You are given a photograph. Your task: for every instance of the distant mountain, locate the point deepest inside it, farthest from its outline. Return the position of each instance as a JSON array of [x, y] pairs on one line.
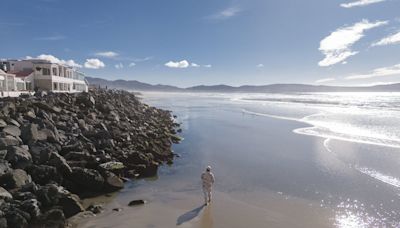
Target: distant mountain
[[273, 88], [130, 85]]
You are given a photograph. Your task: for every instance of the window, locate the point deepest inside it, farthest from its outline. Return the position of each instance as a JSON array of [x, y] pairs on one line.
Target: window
[[46, 71], [55, 87], [54, 71]]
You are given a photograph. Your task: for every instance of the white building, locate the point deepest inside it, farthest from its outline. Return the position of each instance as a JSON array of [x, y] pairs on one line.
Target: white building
[[45, 75], [10, 85]]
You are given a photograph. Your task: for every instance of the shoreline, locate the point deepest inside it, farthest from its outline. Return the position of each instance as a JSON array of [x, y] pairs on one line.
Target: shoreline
[[59, 148]]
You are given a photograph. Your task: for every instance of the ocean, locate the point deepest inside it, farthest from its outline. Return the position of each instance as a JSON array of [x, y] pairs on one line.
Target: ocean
[[280, 160]]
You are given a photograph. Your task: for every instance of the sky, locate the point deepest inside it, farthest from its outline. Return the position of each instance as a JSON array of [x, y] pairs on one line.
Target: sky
[[193, 42]]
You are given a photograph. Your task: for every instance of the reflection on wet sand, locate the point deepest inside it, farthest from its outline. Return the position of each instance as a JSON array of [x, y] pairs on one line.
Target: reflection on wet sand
[[206, 220]]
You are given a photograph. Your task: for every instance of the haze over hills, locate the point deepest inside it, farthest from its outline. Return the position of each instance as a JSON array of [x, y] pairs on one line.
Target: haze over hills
[[273, 88]]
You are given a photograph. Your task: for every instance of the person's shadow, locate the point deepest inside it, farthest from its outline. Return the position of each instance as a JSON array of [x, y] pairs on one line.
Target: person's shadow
[[189, 215]]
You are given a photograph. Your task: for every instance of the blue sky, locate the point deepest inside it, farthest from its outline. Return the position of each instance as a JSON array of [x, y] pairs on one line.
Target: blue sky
[[191, 42]]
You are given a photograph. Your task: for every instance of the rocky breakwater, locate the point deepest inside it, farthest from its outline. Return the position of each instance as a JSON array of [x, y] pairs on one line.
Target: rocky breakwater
[[58, 148]]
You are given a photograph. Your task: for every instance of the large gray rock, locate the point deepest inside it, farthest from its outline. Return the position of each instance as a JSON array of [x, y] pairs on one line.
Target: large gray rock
[[4, 194], [12, 130], [29, 133], [112, 182], [53, 218], [4, 167], [89, 179], [8, 141], [19, 157], [14, 179], [17, 218], [70, 205], [60, 163], [32, 207], [43, 174]]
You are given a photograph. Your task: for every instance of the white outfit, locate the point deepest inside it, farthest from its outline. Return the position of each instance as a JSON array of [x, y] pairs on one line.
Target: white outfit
[[208, 180]]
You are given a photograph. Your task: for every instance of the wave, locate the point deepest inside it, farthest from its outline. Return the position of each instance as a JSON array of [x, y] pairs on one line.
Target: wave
[[389, 101], [335, 130], [380, 176]]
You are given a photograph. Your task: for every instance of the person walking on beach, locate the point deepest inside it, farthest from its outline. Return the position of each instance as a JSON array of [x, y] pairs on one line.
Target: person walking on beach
[[208, 179]]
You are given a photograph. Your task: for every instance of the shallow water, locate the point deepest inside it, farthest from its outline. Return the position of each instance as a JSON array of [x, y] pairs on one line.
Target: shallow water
[[270, 169]]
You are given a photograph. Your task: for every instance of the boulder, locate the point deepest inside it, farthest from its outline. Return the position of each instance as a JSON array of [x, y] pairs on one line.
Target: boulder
[[8, 141], [17, 218], [29, 133], [70, 205], [4, 194], [53, 218], [95, 208], [14, 179], [89, 179], [19, 157], [2, 123], [60, 163], [32, 207], [12, 130], [3, 222], [44, 174], [136, 202], [112, 182], [4, 167], [49, 195]]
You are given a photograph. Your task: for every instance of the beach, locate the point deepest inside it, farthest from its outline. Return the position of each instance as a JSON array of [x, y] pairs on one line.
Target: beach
[[268, 172]]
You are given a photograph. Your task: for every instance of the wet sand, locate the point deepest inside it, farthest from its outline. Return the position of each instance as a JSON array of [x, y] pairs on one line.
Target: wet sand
[[266, 176]]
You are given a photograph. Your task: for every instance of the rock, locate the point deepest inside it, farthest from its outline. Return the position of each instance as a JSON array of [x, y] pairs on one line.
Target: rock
[[8, 141], [53, 218], [117, 209], [60, 163], [14, 122], [149, 170], [3, 222], [136, 202], [19, 157], [4, 194], [70, 205], [32, 207], [29, 133], [12, 130], [49, 195], [4, 167], [113, 166], [17, 218], [14, 179], [89, 179], [44, 174], [112, 182], [2, 123], [95, 208]]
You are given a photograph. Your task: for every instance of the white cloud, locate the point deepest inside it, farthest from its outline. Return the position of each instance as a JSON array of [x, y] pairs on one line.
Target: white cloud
[[225, 14], [180, 64], [194, 65], [119, 66], [54, 59], [208, 66], [51, 38], [379, 72], [323, 80], [360, 3], [94, 64], [107, 54], [260, 65], [132, 64], [337, 46], [392, 39]]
